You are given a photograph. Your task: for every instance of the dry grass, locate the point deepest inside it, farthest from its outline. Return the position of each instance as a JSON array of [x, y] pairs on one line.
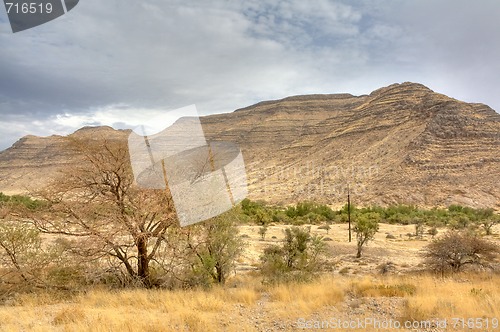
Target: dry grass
[[247, 305], [426, 297], [234, 308], [304, 299], [131, 310], [387, 288], [69, 315], [471, 296]]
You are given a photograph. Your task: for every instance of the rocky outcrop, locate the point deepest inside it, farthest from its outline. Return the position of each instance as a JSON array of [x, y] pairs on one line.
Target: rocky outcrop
[[34, 161], [401, 144]]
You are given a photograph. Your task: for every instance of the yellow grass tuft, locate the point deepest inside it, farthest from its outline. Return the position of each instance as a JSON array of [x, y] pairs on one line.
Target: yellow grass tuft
[[466, 296], [239, 307], [387, 288], [300, 298], [69, 315]]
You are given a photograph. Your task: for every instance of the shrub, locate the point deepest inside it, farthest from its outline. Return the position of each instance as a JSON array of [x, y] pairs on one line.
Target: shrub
[[325, 227], [458, 249], [419, 229], [256, 210], [297, 259], [312, 211], [432, 231], [262, 232], [386, 267], [28, 264], [22, 201]]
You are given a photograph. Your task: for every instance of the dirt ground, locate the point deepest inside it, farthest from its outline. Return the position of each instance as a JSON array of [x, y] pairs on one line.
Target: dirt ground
[[400, 250], [392, 244]]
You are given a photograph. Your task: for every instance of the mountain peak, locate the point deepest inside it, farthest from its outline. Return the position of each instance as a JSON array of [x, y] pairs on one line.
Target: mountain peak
[[402, 143], [96, 132], [405, 87], [93, 129]]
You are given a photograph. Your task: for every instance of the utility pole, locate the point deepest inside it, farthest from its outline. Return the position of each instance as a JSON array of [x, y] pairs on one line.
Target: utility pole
[[349, 210]]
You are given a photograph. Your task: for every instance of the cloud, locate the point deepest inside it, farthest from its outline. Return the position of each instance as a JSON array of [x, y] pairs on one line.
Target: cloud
[[120, 115], [302, 23], [105, 59], [451, 43]]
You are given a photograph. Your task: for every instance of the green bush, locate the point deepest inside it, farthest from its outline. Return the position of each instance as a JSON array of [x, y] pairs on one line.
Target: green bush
[[455, 216], [315, 212], [21, 201], [297, 259], [214, 247]]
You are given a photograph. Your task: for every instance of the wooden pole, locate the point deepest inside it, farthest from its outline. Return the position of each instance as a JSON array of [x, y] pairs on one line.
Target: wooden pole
[[349, 211]]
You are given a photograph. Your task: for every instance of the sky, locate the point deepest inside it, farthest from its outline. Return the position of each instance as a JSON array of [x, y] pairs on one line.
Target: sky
[[119, 63]]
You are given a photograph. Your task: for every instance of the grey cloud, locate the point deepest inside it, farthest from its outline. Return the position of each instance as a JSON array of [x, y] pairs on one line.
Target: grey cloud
[[454, 44], [223, 55]]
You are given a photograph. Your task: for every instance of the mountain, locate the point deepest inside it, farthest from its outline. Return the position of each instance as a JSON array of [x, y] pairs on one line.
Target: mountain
[[401, 144], [34, 161]]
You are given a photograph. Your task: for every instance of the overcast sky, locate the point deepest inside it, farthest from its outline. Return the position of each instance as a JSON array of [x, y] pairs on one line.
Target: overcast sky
[[115, 62]]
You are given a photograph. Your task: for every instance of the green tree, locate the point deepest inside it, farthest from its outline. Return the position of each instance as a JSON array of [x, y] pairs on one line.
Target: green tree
[[215, 245], [262, 217], [487, 219], [22, 250], [257, 211], [488, 223], [365, 227]]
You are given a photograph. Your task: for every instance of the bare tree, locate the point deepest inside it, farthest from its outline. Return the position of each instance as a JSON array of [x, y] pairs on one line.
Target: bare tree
[[107, 216], [456, 249]]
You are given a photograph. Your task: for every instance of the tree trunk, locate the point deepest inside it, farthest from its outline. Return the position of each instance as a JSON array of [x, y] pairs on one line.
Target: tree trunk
[[143, 261], [221, 278], [361, 241], [358, 255]]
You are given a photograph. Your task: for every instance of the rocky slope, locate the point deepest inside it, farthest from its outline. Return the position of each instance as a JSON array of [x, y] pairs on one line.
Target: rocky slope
[[34, 161], [400, 144]]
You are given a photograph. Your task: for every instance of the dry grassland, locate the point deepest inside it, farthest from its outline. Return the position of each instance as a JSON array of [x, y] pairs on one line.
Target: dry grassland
[[254, 307], [245, 304]]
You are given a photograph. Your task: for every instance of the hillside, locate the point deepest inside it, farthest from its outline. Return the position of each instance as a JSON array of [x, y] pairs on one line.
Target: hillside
[[401, 144]]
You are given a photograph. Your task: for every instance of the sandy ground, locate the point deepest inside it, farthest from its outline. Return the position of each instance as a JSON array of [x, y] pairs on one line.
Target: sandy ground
[[402, 251]]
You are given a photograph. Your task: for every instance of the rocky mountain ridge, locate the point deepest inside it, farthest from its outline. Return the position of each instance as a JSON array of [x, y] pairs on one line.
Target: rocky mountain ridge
[[400, 144]]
